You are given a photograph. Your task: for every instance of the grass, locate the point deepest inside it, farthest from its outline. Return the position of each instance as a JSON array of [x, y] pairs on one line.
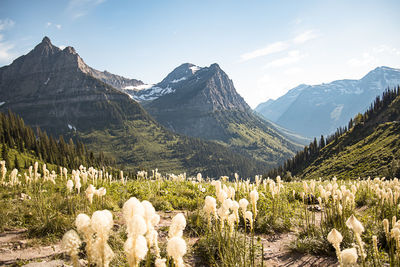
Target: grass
[[50, 211]]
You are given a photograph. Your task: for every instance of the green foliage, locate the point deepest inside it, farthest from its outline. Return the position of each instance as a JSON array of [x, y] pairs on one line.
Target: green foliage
[[368, 147]]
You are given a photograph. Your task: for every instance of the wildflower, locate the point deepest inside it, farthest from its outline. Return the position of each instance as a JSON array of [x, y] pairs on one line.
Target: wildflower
[[335, 238], [135, 249], [243, 206], [231, 222], [176, 248], [235, 209], [71, 243], [89, 192], [249, 216], [131, 207], [254, 198], [375, 245], [357, 228], [82, 223], [386, 227], [70, 185], [160, 263], [349, 256], [177, 225], [355, 225], [210, 207], [102, 222]]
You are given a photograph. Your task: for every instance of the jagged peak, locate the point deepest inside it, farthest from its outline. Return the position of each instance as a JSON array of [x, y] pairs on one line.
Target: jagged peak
[[70, 49], [45, 47], [46, 40], [215, 66]]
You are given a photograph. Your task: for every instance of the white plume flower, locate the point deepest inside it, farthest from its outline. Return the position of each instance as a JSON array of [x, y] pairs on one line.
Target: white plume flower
[[177, 225], [243, 205], [355, 224], [254, 198], [160, 263], [210, 207], [70, 185], [135, 249], [132, 207], [176, 248], [335, 237], [71, 243], [249, 216], [349, 256]]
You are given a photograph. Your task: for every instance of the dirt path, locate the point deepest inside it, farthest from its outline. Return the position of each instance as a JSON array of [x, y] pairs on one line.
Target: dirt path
[[277, 253], [15, 247]]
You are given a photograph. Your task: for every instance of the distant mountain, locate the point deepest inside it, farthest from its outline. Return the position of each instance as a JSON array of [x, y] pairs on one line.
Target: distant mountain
[[55, 90], [115, 81], [312, 110], [370, 147], [203, 102]]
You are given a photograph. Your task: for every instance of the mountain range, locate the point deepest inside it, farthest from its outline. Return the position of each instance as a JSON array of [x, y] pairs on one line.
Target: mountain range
[[203, 102], [312, 110], [55, 90], [370, 147]]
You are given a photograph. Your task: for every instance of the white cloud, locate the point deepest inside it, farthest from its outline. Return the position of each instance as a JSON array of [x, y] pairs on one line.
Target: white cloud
[[298, 21], [5, 47], [380, 55], [365, 59], [269, 49], [62, 47], [304, 37], [279, 46], [5, 54], [79, 8], [293, 71], [6, 24], [292, 57], [50, 24]]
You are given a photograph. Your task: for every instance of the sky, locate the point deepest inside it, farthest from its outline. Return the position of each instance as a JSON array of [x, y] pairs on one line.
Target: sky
[[266, 47]]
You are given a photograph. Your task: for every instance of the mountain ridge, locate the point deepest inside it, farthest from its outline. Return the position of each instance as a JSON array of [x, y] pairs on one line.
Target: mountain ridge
[[55, 90], [205, 104], [325, 107]]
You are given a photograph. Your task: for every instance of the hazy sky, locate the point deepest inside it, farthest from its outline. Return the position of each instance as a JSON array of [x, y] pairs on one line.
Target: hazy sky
[[266, 47]]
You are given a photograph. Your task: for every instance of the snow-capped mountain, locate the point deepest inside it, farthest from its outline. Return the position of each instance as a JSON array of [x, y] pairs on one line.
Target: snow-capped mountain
[[149, 92], [203, 102], [312, 110]]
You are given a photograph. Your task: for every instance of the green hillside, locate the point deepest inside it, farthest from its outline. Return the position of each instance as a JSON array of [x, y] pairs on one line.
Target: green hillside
[[368, 146]]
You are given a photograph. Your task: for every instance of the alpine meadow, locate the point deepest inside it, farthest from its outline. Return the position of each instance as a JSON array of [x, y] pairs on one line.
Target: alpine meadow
[[223, 133]]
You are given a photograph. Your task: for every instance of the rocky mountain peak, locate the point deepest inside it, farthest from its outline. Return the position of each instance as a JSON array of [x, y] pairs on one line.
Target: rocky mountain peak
[[70, 49], [45, 48], [46, 40]]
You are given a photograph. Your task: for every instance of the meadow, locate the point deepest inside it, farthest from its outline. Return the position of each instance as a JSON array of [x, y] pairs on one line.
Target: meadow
[[103, 219]]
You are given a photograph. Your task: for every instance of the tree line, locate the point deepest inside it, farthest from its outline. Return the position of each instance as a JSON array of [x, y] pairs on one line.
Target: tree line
[[310, 153], [15, 134]]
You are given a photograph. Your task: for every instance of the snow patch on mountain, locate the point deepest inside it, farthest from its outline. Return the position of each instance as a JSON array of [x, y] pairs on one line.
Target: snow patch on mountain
[[152, 93], [179, 80], [71, 127], [2, 103], [336, 112], [194, 69], [139, 87]]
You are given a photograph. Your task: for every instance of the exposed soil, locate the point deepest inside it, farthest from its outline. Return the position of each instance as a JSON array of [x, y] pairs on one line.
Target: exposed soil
[[277, 253], [16, 248]]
